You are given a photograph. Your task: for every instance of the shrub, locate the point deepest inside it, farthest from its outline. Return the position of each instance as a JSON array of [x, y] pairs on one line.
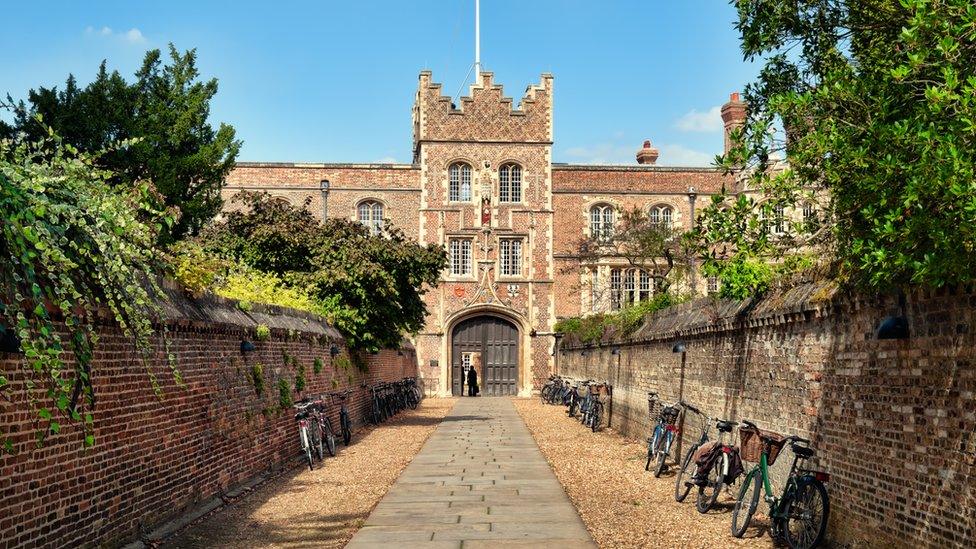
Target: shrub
[[317, 365], [300, 378], [257, 379], [284, 394], [262, 332]]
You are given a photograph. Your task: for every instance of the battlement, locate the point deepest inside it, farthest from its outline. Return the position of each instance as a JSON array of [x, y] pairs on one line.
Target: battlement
[[485, 115]]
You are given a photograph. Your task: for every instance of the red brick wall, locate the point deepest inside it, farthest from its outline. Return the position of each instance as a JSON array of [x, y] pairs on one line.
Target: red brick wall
[[155, 458], [893, 422]]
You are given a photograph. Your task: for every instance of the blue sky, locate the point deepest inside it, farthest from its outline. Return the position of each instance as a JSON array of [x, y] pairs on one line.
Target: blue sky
[[332, 81]]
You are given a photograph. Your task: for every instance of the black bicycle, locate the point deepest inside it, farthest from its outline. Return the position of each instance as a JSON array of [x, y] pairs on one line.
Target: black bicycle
[[345, 425], [309, 432]]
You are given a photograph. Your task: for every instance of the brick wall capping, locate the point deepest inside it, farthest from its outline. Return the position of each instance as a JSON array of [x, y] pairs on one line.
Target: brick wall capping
[[337, 165], [631, 168], [710, 315], [209, 311]]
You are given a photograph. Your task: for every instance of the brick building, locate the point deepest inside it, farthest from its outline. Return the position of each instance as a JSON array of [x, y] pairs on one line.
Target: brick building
[[483, 184]]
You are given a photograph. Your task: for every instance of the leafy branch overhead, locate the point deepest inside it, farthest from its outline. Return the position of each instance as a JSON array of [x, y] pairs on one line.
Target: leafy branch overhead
[[71, 245], [872, 105]]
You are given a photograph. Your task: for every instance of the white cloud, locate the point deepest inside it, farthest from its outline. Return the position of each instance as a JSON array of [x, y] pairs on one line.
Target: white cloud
[[709, 121], [679, 155], [386, 160], [134, 36], [131, 36]]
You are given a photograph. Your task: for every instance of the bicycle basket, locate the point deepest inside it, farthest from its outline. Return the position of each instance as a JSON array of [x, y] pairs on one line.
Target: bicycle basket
[[669, 414], [750, 444]]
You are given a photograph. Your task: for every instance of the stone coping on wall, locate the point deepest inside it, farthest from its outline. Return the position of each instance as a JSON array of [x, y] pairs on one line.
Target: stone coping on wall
[[711, 315], [210, 311]]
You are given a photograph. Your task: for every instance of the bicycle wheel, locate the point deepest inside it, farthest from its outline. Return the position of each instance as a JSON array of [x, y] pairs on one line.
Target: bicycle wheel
[[544, 394], [573, 407], [708, 494], [806, 511], [662, 464], [746, 503], [651, 449], [346, 428], [306, 447], [329, 437], [595, 418], [682, 482], [316, 441]]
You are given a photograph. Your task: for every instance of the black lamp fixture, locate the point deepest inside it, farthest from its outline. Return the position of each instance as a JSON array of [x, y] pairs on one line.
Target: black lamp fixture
[[247, 346], [334, 350], [679, 347], [615, 350], [892, 327]]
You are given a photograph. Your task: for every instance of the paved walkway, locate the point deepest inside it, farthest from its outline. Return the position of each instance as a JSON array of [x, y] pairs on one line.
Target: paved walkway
[[479, 480]]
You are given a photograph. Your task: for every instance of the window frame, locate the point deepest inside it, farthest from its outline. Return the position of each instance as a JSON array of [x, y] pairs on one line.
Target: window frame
[[506, 245], [465, 248], [656, 215], [511, 189], [375, 224], [600, 227], [463, 172]]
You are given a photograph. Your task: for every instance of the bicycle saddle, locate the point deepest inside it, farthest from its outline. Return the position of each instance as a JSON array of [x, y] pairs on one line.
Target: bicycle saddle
[[802, 451], [725, 426]]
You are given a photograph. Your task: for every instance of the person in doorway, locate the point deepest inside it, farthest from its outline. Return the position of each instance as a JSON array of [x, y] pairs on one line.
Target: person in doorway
[[473, 380]]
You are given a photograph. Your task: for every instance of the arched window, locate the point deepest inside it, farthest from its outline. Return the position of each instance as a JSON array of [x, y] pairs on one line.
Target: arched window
[[661, 214], [459, 176], [510, 183], [601, 221], [370, 213]]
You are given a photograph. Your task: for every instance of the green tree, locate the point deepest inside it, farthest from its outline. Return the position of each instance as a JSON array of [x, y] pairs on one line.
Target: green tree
[[163, 116], [873, 104], [371, 287]]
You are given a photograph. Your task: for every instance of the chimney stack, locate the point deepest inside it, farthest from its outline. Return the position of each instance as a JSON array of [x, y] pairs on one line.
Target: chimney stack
[[647, 154], [734, 116]]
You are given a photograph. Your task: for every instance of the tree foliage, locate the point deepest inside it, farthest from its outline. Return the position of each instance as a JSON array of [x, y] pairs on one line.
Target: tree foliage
[[163, 118], [71, 246], [651, 246], [874, 104], [371, 287]]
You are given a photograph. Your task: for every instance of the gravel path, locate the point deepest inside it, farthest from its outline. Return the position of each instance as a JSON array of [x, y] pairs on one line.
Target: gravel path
[[325, 507], [621, 504]]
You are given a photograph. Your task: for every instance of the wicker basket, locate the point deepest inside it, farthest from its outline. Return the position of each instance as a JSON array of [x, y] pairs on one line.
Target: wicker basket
[[750, 445]]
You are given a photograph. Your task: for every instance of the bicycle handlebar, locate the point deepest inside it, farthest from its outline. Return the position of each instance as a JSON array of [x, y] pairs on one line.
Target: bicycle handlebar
[[691, 407]]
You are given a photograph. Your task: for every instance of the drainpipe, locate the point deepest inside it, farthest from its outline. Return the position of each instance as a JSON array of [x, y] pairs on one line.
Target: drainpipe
[[324, 189], [692, 196]]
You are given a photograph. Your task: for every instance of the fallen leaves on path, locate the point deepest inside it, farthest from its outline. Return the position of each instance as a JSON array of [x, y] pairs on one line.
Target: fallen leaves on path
[[324, 507], [621, 504]]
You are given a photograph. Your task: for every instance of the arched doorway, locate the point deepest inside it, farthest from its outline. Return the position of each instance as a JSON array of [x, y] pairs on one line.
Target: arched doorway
[[496, 340]]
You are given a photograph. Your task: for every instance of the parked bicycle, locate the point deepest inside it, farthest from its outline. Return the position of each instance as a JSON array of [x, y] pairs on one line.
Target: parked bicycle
[[720, 467], [309, 431], [665, 431], [799, 515]]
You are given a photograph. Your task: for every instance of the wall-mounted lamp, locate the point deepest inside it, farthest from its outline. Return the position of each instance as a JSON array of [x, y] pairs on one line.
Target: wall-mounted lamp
[[247, 346], [399, 352], [334, 350], [679, 347], [583, 352], [893, 327], [615, 351]]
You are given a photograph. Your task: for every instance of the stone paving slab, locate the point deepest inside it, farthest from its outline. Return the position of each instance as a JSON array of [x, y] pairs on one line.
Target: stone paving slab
[[479, 481]]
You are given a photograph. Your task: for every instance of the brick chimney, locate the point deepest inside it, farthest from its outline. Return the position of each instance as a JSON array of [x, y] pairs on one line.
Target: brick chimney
[[733, 115], [647, 154]]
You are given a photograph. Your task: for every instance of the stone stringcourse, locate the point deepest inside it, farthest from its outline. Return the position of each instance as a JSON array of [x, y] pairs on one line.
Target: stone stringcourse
[[160, 462], [892, 421]]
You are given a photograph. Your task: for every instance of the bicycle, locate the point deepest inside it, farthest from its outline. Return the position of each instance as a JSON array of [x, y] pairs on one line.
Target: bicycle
[[717, 476], [345, 425], [596, 405], [799, 515], [549, 388], [325, 424], [665, 431], [309, 432]]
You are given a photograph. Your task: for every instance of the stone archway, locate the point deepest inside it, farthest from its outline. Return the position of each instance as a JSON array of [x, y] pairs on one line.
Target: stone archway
[[496, 340]]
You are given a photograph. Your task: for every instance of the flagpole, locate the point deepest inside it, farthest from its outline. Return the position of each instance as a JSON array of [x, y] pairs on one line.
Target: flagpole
[[477, 41]]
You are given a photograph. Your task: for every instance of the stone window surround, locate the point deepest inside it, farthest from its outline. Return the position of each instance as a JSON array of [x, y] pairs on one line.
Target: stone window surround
[[521, 239]]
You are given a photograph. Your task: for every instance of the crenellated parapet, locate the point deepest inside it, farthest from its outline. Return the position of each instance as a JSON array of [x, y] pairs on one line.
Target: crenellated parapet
[[485, 115]]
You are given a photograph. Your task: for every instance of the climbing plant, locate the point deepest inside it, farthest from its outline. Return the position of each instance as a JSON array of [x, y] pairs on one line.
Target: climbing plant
[[71, 247]]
